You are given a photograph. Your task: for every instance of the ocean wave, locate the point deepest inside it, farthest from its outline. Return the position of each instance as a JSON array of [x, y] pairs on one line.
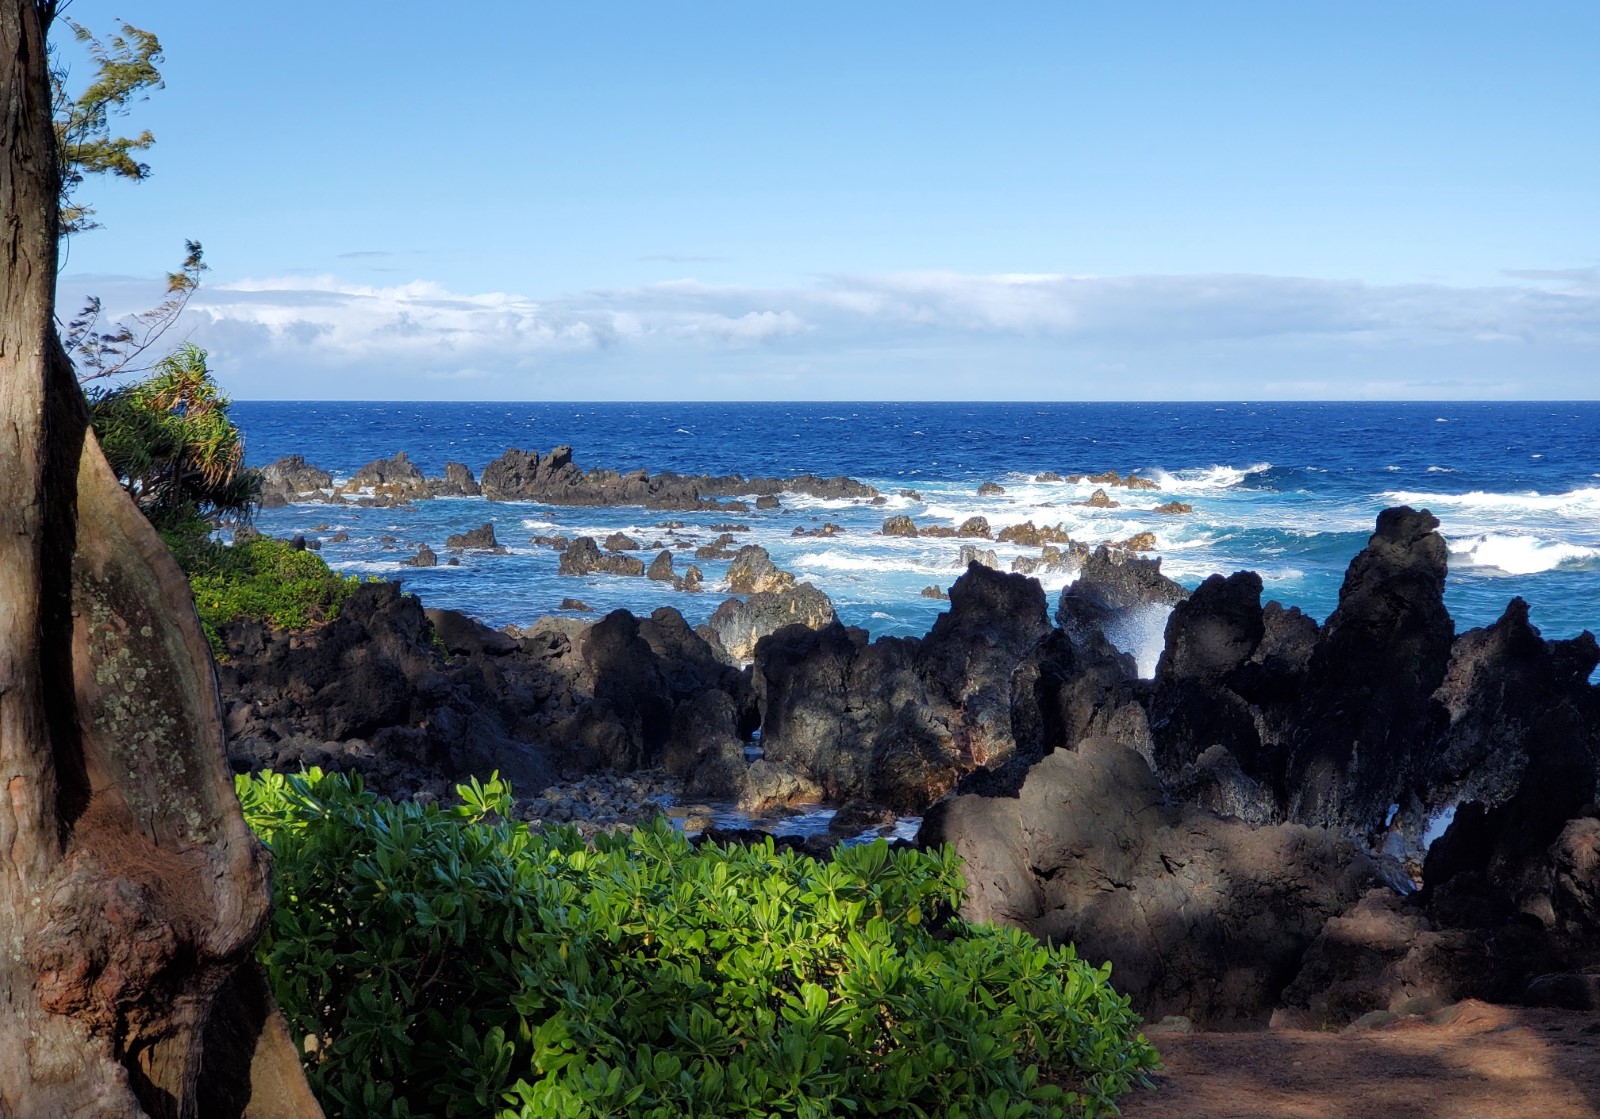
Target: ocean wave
[[1216, 477], [1518, 555], [806, 501], [1584, 501], [377, 567], [842, 560]]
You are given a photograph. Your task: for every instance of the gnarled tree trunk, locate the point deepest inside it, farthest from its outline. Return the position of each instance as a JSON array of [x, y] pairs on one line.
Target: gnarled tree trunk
[[131, 890]]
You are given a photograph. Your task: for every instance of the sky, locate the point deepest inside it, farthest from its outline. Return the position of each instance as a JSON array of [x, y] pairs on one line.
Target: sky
[[847, 201]]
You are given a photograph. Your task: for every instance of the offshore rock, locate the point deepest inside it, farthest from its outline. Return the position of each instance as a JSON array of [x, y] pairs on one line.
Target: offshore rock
[[660, 569], [457, 482], [480, 539], [555, 480], [390, 480], [584, 557], [293, 479]]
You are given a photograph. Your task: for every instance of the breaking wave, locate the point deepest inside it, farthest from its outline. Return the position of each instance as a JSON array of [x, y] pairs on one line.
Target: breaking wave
[[1517, 555]]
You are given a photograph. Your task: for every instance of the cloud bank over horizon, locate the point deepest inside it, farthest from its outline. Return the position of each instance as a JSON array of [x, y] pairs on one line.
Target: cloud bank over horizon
[[909, 335]]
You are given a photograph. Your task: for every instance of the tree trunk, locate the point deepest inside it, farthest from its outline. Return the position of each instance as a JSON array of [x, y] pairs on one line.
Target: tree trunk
[[131, 889]]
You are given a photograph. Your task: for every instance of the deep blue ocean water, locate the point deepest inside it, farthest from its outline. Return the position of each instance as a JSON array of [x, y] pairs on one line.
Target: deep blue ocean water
[[1288, 490]]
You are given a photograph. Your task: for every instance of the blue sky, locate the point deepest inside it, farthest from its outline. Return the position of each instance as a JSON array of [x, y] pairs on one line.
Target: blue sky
[[868, 201]]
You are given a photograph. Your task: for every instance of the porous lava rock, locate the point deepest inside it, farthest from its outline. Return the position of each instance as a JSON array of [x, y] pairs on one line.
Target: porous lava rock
[[292, 479], [584, 557], [554, 479], [739, 624], [753, 572], [1199, 915], [480, 539]]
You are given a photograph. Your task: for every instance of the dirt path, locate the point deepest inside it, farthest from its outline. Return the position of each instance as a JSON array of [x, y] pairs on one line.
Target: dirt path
[[1486, 1062]]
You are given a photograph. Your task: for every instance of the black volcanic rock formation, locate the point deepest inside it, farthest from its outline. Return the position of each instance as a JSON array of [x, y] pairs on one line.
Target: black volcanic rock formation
[[555, 480]]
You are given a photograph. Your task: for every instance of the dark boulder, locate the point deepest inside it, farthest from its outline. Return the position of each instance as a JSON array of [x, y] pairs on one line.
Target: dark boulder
[[464, 636], [1112, 588], [1199, 915], [584, 557], [457, 482], [802, 680], [1368, 720], [739, 624], [293, 479], [660, 568], [396, 479], [480, 539]]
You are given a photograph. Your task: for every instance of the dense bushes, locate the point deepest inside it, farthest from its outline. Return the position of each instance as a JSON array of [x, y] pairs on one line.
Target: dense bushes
[[257, 577], [448, 963]]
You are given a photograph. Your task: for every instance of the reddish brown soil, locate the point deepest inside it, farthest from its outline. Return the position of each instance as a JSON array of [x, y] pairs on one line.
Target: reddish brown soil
[[1487, 1062]]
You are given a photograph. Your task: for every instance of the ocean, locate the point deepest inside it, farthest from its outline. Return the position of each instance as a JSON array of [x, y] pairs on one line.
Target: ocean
[[1287, 490]]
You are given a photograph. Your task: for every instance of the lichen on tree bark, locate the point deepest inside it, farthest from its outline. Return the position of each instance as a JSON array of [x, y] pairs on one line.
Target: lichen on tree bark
[[131, 890]]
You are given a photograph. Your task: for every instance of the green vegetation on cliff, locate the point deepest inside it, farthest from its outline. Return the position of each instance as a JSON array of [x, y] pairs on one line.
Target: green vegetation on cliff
[[173, 446], [449, 962], [257, 577]]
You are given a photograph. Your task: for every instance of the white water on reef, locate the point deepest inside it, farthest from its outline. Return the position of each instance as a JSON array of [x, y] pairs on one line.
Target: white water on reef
[[1289, 491]]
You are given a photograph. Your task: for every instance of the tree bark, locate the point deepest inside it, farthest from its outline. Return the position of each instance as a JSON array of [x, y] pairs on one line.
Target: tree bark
[[131, 889]]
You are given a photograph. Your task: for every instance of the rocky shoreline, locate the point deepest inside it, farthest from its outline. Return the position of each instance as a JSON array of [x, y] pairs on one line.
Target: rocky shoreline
[[1243, 834]]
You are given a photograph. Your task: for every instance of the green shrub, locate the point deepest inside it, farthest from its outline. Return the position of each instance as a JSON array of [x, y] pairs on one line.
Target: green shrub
[[449, 963], [260, 578]]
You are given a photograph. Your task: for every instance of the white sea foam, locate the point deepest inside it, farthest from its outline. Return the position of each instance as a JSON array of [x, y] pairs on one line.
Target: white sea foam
[[376, 567], [842, 560], [1206, 477], [1579, 502], [1142, 632], [1517, 555], [806, 501]]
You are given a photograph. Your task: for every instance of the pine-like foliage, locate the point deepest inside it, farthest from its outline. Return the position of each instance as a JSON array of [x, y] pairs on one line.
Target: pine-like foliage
[[169, 439]]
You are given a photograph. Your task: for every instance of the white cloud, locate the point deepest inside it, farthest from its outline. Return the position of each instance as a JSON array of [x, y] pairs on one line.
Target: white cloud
[[1267, 333]]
